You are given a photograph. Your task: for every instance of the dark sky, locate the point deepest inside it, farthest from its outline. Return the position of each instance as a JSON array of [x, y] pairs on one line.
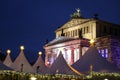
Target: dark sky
[[31, 22]]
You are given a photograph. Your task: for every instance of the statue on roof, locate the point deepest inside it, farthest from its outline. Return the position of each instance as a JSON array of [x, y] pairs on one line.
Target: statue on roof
[[78, 10], [76, 14]]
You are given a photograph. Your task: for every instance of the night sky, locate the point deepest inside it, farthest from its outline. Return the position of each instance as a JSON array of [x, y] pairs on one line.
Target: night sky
[[31, 22]]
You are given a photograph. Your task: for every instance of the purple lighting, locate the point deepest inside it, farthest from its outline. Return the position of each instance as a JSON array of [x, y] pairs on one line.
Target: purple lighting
[[104, 53]]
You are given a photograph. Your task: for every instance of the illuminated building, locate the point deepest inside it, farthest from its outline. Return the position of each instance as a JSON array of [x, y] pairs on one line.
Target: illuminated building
[[105, 35], [71, 48]]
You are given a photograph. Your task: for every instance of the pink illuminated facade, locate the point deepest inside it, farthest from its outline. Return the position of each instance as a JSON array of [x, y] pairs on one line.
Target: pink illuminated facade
[[71, 48]]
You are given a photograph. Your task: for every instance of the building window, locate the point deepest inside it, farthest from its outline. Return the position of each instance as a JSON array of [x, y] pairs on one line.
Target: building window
[[64, 34], [73, 33], [68, 34], [116, 32], [87, 29], [104, 53], [110, 31], [84, 30], [104, 30], [76, 32], [101, 30], [58, 35]]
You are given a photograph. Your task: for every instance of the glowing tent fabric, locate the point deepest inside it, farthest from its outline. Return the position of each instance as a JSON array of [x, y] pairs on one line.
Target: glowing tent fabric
[[61, 67], [8, 62], [40, 67], [99, 64], [21, 64]]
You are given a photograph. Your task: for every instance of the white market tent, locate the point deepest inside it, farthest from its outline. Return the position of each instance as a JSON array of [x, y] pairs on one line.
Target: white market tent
[[8, 62], [39, 65], [21, 63], [94, 59], [60, 66]]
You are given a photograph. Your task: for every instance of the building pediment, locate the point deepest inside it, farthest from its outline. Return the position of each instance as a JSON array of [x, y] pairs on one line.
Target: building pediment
[[73, 22]]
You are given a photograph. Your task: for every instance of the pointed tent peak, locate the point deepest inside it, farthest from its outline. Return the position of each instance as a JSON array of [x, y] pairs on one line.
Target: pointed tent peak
[[60, 54], [60, 66], [22, 48], [39, 53], [8, 51], [7, 61]]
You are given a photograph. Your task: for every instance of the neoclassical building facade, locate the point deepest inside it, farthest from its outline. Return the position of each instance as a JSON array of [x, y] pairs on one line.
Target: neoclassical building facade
[[72, 39], [71, 48]]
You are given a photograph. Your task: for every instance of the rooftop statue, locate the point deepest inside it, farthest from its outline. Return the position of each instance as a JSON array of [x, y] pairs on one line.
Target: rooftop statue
[[76, 14]]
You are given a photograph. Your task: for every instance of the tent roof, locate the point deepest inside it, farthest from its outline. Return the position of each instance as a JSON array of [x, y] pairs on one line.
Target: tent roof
[[22, 61], [92, 57], [61, 67], [4, 67], [8, 62], [40, 63]]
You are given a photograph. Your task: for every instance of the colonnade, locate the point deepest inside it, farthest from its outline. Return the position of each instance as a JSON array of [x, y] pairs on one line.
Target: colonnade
[[70, 53]]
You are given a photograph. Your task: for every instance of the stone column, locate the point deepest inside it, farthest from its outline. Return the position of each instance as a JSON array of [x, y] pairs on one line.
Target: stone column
[[80, 51], [72, 56], [66, 55]]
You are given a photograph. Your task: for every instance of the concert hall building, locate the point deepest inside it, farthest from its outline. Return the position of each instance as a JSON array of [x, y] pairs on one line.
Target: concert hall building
[[73, 38]]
